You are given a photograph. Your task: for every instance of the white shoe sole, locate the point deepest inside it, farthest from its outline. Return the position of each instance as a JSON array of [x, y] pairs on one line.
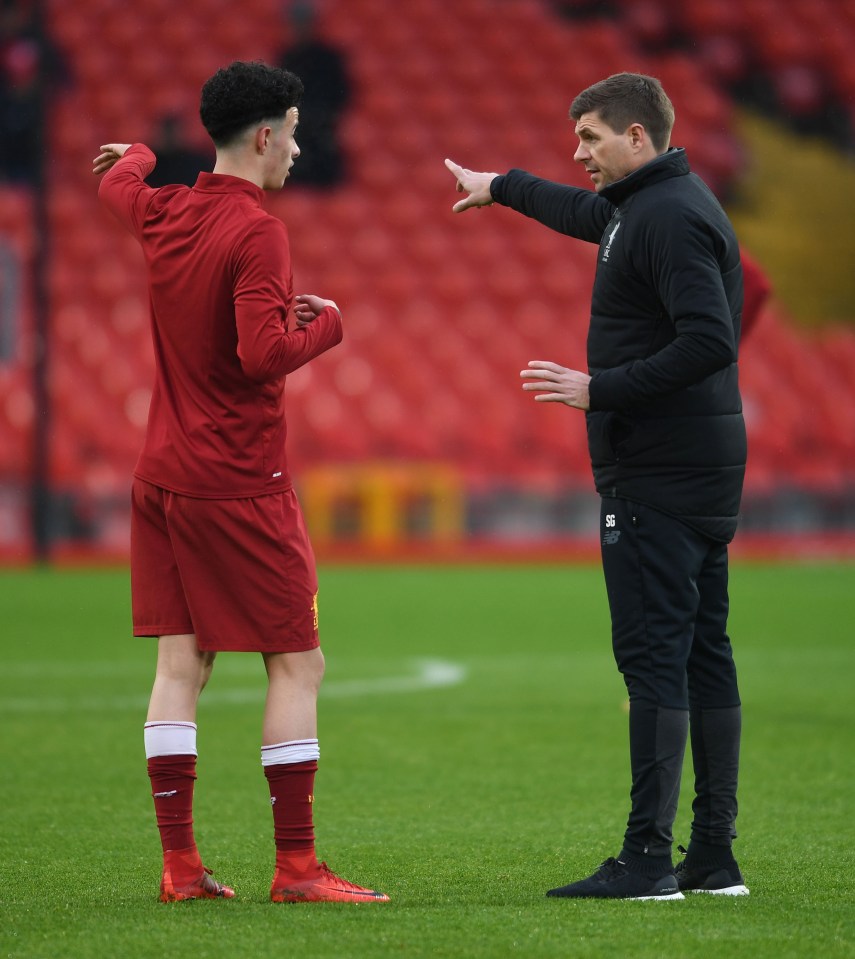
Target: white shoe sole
[[727, 891], [671, 895]]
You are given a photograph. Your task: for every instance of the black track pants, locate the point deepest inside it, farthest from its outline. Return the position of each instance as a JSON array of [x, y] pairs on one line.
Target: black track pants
[[667, 589]]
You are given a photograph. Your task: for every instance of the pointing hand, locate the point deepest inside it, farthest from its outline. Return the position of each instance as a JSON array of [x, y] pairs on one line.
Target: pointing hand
[[477, 185]]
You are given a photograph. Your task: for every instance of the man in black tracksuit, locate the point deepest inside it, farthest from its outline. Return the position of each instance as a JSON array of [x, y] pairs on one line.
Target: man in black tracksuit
[[668, 449]]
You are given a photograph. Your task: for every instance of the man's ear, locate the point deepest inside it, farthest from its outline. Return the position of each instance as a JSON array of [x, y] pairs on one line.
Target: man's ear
[[262, 138], [637, 136]]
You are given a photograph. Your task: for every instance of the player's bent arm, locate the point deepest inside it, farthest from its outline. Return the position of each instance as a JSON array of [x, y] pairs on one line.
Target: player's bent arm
[[122, 188], [267, 351], [688, 282]]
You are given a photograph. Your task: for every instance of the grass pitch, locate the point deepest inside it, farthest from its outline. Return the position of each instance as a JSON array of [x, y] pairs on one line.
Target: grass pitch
[[473, 754]]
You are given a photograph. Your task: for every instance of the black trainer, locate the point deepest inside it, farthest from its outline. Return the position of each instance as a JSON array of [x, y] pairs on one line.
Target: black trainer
[[716, 879], [615, 880]]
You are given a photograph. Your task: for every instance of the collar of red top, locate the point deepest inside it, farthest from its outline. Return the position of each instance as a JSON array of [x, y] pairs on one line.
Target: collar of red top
[[224, 183]]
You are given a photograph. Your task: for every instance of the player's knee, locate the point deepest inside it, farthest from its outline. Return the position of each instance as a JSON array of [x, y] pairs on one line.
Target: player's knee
[[316, 669], [304, 669]]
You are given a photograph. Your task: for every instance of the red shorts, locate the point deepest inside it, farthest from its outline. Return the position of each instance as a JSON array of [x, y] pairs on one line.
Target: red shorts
[[239, 573]]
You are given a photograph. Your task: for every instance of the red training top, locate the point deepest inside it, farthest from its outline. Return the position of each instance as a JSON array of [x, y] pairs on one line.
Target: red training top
[[219, 274]]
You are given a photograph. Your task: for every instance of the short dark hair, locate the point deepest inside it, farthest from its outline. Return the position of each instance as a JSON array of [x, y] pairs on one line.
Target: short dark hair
[[627, 98], [245, 93]]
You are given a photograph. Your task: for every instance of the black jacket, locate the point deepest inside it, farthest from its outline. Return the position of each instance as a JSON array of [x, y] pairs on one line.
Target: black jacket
[[665, 426]]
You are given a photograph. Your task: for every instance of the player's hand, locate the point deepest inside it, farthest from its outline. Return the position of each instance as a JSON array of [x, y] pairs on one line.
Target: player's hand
[[110, 154], [557, 384], [477, 185], [307, 306]]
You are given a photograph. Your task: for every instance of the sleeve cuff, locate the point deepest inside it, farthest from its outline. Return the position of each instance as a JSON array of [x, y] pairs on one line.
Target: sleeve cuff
[[593, 390]]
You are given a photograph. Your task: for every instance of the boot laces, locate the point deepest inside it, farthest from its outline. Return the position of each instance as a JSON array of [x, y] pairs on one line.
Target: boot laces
[[612, 868]]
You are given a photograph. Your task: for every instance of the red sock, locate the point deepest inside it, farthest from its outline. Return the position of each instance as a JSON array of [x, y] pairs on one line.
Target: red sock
[[172, 779], [291, 796]]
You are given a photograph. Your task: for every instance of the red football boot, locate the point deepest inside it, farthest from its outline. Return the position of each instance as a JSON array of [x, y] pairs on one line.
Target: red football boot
[[323, 885], [184, 877]]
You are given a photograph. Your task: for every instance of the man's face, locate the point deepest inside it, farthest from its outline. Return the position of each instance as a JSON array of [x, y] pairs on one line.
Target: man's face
[[282, 150], [606, 155]]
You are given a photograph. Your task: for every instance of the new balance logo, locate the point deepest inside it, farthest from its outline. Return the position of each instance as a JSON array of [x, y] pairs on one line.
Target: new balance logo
[[611, 537], [166, 795]]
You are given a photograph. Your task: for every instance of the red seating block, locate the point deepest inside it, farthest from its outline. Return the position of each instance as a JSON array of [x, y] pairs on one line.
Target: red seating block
[[440, 312]]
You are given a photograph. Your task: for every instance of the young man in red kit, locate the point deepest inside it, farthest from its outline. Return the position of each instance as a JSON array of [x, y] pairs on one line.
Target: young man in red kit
[[220, 559]]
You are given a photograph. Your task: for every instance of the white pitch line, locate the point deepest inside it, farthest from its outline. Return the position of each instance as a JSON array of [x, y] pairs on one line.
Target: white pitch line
[[428, 674]]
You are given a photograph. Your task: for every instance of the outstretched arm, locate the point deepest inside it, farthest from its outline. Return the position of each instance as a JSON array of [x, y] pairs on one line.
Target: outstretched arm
[[566, 209], [571, 210]]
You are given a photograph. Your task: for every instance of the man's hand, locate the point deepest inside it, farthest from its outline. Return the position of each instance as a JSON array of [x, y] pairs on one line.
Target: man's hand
[[557, 384], [477, 185], [110, 154], [307, 306]]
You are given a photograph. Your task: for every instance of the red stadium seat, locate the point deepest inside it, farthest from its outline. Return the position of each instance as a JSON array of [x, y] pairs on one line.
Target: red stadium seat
[[441, 312]]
